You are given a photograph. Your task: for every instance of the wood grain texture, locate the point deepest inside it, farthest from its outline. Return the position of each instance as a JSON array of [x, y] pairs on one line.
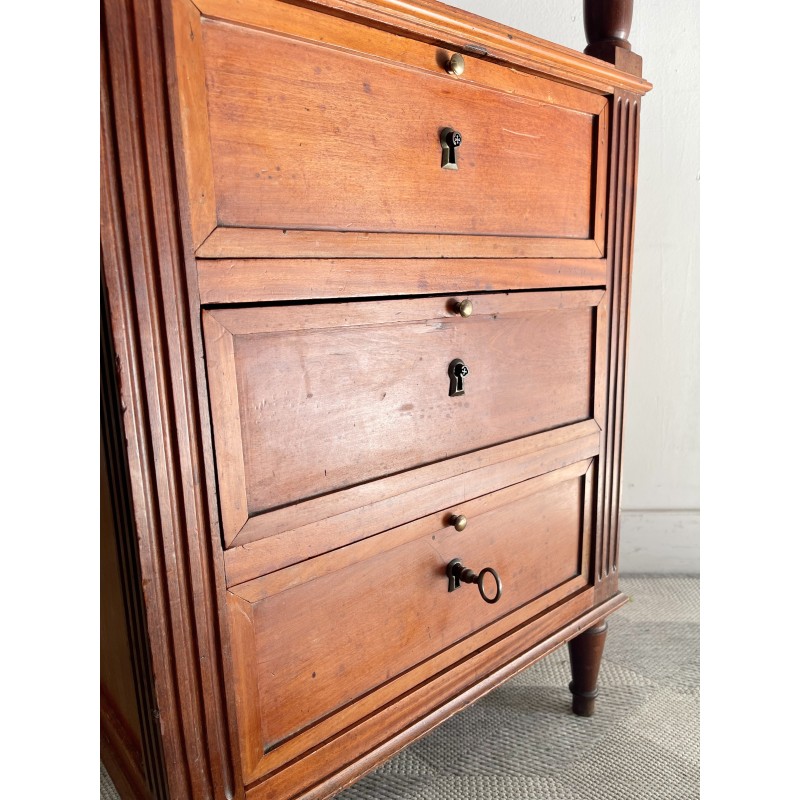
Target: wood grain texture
[[304, 571], [394, 610], [380, 735], [384, 609], [130, 744], [144, 272], [314, 24], [253, 154], [145, 766], [252, 280], [310, 137], [204, 612], [287, 243], [435, 23], [245, 677], [413, 494], [190, 73], [228, 431], [331, 397]]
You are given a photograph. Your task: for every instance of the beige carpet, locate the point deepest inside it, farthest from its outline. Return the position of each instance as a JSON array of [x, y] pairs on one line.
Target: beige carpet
[[521, 742]]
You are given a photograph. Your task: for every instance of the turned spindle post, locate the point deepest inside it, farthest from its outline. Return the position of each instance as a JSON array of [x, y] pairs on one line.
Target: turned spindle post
[[607, 24], [585, 653]]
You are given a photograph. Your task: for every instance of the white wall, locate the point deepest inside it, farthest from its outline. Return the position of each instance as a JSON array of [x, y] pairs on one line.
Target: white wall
[[661, 492]]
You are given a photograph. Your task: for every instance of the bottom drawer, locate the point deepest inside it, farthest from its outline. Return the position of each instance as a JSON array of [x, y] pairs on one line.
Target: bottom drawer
[[322, 644]]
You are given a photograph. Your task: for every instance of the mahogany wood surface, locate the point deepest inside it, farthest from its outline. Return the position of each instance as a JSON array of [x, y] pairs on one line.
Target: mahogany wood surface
[[464, 681], [402, 497], [607, 24], [311, 137], [287, 243], [608, 21], [585, 654], [130, 739], [352, 268], [149, 301], [309, 400], [400, 596], [433, 22], [121, 751], [196, 148], [622, 195], [251, 280], [325, 144], [117, 679]]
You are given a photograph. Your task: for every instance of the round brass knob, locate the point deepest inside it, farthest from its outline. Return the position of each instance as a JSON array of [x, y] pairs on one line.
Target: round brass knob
[[456, 65], [458, 521], [464, 308]]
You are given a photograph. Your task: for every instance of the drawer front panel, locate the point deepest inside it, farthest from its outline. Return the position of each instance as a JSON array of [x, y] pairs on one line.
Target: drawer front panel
[[333, 147], [304, 136], [329, 632], [310, 400]]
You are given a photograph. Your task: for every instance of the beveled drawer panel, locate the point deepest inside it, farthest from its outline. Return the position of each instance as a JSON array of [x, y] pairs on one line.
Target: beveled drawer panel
[[304, 136], [306, 147], [307, 669], [311, 400]]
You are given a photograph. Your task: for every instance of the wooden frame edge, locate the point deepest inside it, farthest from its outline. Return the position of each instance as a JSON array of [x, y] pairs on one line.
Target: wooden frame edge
[[436, 23], [197, 171], [156, 373], [224, 400], [228, 242], [254, 280]]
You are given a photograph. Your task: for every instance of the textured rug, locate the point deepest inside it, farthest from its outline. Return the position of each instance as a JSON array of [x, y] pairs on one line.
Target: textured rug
[[521, 742]]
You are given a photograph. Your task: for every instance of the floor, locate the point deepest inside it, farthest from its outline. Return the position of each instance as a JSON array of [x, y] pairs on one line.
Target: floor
[[521, 742]]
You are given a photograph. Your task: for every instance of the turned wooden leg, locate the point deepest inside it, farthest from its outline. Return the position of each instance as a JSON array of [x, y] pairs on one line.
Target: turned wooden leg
[[585, 652]]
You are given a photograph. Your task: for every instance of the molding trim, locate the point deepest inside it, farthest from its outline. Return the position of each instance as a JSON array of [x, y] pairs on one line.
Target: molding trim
[[435, 22], [155, 364], [623, 161]]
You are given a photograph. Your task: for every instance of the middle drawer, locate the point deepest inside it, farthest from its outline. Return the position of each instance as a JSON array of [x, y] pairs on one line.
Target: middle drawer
[[310, 401]]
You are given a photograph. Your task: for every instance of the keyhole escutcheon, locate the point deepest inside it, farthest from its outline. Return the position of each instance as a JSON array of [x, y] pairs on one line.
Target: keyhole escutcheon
[[451, 141], [458, 371]]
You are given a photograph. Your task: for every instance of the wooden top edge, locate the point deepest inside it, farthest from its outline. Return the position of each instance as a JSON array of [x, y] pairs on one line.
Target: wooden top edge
[[435, 21]]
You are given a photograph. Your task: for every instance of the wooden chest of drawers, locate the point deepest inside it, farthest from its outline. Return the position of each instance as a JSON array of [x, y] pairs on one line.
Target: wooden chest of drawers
[[365, 289]]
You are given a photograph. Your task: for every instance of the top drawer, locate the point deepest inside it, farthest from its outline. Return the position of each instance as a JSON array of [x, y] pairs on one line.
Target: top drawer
[[309, 148]]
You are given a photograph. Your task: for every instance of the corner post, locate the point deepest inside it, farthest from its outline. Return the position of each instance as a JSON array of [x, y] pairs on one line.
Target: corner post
[[607, 24]]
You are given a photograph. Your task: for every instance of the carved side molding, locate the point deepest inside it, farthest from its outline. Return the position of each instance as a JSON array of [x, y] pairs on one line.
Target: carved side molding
[[151, 318], [621, 216]]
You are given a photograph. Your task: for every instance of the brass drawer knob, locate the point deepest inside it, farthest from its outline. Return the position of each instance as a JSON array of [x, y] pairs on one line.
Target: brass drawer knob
[[457, 574], [464, 308], [456, 65], [458, 521]]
